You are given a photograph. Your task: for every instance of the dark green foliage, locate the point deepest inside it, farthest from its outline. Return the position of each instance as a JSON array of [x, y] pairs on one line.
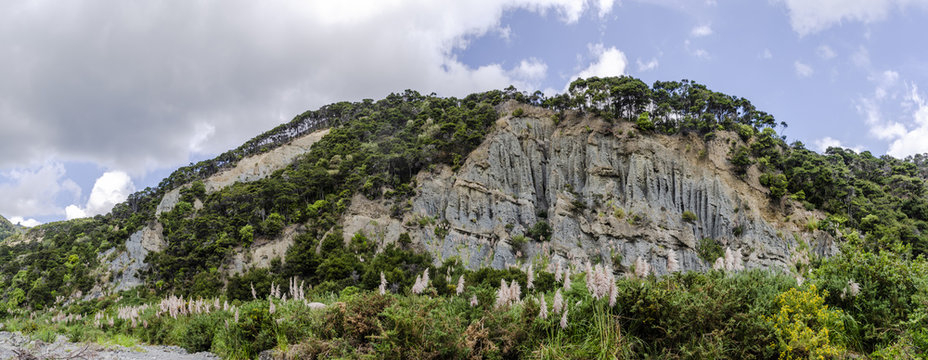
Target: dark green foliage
[[541, 231], [644, 123], [892, 296], [7, 229], [273, 224], [776, 183], [686, 312], [197, 334], [741, 159], [517, 242], [689, 216], [709, 249]]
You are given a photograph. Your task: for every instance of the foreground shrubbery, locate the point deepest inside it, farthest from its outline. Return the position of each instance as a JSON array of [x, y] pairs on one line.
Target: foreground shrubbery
[[742, 315]]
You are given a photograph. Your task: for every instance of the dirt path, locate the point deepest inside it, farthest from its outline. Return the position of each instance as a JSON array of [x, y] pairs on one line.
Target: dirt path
[[17, 346]]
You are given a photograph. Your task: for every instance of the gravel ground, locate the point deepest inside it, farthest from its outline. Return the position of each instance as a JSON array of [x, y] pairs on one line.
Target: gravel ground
[[17, 346]]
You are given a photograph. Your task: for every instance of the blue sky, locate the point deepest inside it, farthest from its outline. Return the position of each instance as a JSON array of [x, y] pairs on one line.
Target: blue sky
[[102, 98]]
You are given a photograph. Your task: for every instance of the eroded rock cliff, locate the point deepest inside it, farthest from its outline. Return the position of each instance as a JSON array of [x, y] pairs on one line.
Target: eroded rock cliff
[[606, 191]]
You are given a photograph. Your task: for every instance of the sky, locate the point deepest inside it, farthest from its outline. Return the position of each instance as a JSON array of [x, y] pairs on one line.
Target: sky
[[99, 99]]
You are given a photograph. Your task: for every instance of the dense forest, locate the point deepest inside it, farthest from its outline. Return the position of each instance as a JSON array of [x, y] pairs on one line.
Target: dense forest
[[871, 299]]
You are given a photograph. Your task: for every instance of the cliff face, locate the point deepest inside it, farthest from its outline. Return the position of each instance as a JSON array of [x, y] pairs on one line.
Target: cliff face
[[607, 193]]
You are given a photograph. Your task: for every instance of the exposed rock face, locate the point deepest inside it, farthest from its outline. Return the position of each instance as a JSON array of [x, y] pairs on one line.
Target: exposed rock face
[[260, 254], [607, 194], [125, 265], [249, 169]]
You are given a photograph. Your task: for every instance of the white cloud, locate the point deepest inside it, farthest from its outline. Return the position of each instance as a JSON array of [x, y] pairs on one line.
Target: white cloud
[[24, 222], [201, 133], [808, 17], [609, 62], [915, 139], [698, 53], [111, 188], [766, 54], [701, 30], [33, 191], [74, 212], [825, 52], [605, 7], [803, 70], [827, 142], [162, 71], [647, 66], [896, 112], [531, 70], [861, 57], [702, 54]]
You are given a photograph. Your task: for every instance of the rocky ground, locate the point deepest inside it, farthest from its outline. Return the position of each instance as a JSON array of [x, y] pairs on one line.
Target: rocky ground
[[17, 346]]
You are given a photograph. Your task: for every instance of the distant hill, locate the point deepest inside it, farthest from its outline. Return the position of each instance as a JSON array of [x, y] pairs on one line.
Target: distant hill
[[7, 228]]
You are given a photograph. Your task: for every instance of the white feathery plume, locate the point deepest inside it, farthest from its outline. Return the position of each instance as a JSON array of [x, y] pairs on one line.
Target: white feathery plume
[[473, 300], [422, 282], [543, 313], [601, 282], [383, 284], [613, 294], [564, 319], [719, 264], [642, 268], [567, 280], [853, 288], [530, 284], [502, 295], [460, 288], [672, 264], [515, 292], [559, 272], [558, 302]]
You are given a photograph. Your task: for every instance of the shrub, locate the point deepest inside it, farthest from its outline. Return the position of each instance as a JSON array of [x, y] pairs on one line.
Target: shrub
[[541, 231], [247, 234], [273, 224], [518, 242], [741, 159], [805, 327], [518, 112], [644, 122], [709, 249], [689, 216], [195, 334]]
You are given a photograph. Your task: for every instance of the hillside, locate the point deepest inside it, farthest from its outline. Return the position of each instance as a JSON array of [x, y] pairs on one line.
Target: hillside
[[7, 228], [688, 196]]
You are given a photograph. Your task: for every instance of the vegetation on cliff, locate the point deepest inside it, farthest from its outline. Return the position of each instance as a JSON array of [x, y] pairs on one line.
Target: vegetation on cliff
[[870, 299]]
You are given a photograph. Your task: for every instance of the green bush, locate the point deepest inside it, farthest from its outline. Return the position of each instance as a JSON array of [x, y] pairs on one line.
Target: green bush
[[196, 333], [541, 231], [805, 327], [689, 216], [709, 249]]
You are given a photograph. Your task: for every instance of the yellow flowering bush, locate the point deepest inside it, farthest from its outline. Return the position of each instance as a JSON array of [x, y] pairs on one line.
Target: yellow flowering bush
[[805, 327]]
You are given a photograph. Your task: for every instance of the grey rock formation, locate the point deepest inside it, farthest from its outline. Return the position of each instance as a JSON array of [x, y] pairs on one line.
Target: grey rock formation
[[125, 265], [608, 194]]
